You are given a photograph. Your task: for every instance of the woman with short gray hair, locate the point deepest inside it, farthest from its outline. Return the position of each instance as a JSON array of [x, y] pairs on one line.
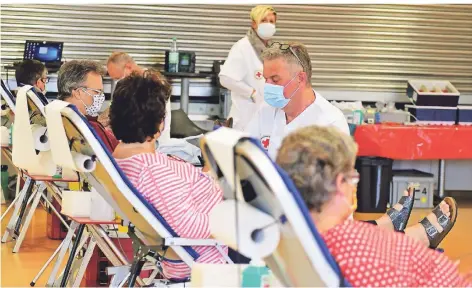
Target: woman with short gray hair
[[320, 161]]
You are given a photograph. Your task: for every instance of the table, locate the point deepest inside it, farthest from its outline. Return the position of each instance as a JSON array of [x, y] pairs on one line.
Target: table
[[185, 85], [407, 142]]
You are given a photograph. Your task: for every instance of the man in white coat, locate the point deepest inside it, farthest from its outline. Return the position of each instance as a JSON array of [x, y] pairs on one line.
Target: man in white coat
[[290, 100], [242, 71]]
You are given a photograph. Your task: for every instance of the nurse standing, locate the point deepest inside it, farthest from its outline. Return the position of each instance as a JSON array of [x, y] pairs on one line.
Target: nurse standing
[[242, 71]]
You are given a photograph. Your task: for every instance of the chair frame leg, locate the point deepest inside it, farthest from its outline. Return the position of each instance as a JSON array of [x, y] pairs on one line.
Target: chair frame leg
[[14, 217], [65, 245], [36, 196]]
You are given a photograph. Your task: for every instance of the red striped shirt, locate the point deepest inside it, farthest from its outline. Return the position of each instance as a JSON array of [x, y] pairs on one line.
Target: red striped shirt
[[373, 257], [183, 195]]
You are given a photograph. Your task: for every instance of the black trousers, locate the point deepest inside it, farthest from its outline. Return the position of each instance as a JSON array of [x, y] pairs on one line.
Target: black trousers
[[375, 223]]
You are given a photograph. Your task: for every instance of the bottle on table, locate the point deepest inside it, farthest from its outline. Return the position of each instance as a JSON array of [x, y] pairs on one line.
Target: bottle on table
[[174, 57], [257, 274]]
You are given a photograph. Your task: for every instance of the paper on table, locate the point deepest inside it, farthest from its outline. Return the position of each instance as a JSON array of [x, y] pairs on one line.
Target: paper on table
[[76, 203], [59, 143], [83, 163], [24, 154], [40, 137], [100, 209], [5, 136], [48, 167]]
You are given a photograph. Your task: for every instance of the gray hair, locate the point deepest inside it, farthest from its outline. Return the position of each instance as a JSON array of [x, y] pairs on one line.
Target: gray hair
[[313, 157], [73, 74], [303, 61]]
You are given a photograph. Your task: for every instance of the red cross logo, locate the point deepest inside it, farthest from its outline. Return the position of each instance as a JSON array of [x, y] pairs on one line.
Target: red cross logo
[[265, 142], [258, 75]]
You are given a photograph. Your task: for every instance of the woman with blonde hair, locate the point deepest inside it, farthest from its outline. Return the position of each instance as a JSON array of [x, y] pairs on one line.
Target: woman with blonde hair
[[242, 71]]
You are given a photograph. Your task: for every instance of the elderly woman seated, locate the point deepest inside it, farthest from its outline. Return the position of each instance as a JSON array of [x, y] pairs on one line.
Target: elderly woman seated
[[182, 193], [320, 161]]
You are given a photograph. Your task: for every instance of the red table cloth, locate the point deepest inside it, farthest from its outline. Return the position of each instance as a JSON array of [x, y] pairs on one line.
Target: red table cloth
[[404, 142]]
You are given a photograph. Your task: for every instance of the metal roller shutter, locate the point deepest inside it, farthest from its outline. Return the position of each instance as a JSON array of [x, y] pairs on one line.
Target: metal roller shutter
[[353, 47]]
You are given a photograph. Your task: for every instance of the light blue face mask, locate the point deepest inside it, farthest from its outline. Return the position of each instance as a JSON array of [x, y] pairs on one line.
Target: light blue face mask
[[274, 94]]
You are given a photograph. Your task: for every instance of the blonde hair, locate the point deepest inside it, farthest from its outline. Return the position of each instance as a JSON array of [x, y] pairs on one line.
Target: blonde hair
[[313, 157], [260, 11], [119, 57], [274, 51]]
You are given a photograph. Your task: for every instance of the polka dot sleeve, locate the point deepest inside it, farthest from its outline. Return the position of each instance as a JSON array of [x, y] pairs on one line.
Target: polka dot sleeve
[[373, 257]]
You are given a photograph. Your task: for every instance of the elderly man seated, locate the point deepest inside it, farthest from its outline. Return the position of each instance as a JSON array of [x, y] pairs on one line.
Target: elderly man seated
[[320, 161], [80, 83]]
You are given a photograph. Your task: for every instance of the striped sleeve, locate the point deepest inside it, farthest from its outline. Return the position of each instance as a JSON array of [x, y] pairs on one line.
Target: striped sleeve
[[181, 195], [205, 191]]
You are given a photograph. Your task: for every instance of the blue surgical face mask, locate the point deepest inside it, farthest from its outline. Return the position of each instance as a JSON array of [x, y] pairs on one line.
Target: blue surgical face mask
[[274, 94]]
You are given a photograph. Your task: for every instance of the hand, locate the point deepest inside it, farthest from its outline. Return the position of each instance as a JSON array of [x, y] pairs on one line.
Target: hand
[[253, 94], [206, 168]]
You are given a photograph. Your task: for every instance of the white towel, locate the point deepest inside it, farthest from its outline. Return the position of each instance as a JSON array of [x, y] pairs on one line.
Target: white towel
[[180, 148]]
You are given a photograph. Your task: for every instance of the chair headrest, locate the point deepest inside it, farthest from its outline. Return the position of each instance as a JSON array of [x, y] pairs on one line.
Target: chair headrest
[[9, 98], [182, 127]]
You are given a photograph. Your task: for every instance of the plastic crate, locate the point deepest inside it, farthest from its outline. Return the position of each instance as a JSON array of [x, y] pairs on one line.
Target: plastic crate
[[464, 115], [433, 93], [394, 117], [432, 115], [424, 193]]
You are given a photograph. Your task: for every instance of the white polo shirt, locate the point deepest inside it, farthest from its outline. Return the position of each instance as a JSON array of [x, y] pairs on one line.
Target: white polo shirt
[[270, 125]]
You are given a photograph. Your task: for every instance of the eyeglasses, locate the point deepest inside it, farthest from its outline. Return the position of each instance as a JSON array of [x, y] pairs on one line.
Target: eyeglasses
[[97, 91], [45, 80], [285, 47], [353, 177]]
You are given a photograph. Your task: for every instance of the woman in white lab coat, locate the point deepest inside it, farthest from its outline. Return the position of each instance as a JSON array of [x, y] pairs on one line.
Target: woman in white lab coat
[[242, 71]]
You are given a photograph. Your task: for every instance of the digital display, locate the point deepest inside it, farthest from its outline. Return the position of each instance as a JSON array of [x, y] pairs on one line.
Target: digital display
[[43, 51], [185, 60]]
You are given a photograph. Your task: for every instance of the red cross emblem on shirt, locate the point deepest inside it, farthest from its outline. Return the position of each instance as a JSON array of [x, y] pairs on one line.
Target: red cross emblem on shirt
[[258, 75], [265, 142]]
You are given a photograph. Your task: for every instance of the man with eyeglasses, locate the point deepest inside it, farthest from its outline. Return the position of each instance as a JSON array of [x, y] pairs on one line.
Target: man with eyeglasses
[[80, 83], [34, 73], [290, 100]]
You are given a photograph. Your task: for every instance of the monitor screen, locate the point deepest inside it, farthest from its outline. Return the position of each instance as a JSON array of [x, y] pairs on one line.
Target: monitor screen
[[43, 51]]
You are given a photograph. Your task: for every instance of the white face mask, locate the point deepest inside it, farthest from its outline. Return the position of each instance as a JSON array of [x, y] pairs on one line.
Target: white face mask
[[266, 30], [98, 100]]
